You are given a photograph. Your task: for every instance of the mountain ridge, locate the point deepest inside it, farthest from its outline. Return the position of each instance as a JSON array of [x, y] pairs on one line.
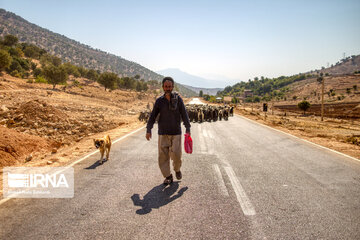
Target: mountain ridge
[[192, 80], [70, 50]]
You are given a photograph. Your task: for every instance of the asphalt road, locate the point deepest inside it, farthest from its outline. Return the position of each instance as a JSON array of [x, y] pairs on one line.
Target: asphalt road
[[243, 181]]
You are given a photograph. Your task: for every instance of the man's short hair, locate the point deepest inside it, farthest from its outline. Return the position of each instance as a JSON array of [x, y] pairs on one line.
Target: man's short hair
[[167, 79]]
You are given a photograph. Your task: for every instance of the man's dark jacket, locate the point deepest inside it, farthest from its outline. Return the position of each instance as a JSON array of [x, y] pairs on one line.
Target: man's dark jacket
[[169, 120]]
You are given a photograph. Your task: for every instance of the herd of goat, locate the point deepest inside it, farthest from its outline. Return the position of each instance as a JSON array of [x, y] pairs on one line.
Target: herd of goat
[[200, 113]]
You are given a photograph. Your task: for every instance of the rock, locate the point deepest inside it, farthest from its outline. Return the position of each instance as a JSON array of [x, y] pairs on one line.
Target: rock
[[4, 108], [19, 117], [28, 122], [28, 158], [54, 150], [10, 122], [49, 162]]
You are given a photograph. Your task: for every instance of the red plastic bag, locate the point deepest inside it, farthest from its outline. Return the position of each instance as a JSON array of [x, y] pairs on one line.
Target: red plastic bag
[[188, 143]]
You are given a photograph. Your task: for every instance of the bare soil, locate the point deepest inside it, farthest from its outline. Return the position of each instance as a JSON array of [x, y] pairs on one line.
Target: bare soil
[[337, 89], [343, 110]]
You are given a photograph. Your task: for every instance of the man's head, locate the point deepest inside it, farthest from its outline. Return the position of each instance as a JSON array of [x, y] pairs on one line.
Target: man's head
[[168, 85]]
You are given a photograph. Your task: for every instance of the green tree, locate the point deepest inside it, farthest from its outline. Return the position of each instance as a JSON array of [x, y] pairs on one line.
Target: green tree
[[249, 100], [33, 66], [31, 52], [145, 86], [234, 100], [55, 75], [5, 60], [304, 105], [83, 71], [108, 80], [92, 75], [15, 66], [25, 63], [10, 40], [56, 61], [128, 83], [201, 93], [320, 79], [256, 99], [138, 86], [37, 72], [71, 69], [47, 59], [16, 52]]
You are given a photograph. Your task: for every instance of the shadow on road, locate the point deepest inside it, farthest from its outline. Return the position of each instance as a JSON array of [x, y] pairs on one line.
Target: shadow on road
[[157, 197], [96, 164]]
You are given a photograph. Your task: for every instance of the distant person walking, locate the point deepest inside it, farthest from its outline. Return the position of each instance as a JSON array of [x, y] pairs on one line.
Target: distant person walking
[[171, 108]]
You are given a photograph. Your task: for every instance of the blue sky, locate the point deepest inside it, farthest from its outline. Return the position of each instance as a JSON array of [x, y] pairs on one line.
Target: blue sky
[[214, 39]]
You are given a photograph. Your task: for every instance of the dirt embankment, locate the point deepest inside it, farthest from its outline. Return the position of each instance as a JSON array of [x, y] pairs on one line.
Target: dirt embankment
[[343, 110], [14, 146]]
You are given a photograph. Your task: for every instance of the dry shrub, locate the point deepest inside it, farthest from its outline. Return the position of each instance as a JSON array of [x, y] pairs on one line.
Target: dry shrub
[[354, 139]]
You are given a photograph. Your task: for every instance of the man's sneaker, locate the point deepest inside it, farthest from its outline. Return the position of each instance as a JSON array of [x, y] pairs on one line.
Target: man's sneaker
[[168, 180], [178, 175]]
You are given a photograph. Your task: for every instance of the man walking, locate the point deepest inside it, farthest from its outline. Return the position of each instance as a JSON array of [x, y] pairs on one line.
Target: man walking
[[171, 108]]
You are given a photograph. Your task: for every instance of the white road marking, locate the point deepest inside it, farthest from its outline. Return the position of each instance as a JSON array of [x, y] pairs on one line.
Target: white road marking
[[210, 135], [202, 140], [220, 181], [241, 196], [77, 161], [211, 146], [205, 133], [343, 154], [209, 141]]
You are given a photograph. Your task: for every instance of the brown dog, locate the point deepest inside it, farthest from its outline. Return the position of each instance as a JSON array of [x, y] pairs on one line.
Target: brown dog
[[104, 144]]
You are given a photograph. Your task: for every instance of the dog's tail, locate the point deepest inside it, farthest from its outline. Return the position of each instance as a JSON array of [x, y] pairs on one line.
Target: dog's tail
[[108, 138]]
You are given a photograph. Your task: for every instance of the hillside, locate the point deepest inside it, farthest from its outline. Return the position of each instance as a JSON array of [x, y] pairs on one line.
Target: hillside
[[192, 80], [341, 84], [70, 50], [185, 91], [347, 65], [210, 91]]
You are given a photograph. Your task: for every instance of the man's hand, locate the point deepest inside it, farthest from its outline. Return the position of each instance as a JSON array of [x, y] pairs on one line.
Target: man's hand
[[148, 136]]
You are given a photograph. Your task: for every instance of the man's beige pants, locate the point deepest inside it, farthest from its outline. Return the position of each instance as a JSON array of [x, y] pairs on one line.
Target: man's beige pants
[[169, 147]]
